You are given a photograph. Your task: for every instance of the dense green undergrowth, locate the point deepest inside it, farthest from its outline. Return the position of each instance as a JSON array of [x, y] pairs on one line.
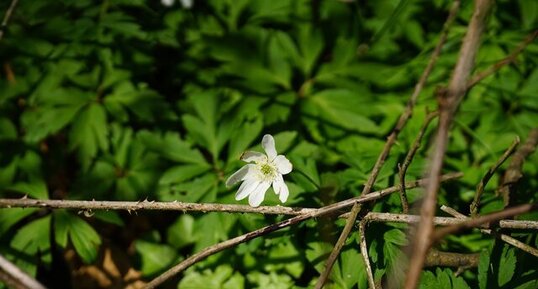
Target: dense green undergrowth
[[128, 100]]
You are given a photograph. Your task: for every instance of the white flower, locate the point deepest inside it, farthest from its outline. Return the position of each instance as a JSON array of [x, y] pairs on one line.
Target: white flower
[[187, 4], [257, 177]]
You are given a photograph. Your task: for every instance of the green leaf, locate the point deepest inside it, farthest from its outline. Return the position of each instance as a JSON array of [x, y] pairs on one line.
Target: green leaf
[[10, 217], [155, 257], [222, 278], [272, 280], [111, 217], [89, 133], [343, 108], [83, 237], [171, 146], [181, 233], [242, 137], [443, 278], [33, 240], [484, 269], [181, 173], [37, 189], [507, 265], [285, 251]]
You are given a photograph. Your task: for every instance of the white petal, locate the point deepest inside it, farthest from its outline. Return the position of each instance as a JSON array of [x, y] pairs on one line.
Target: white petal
[[280, 186], [246, 188], [239, 175], [167, 3], [283, 165], [187, 4], [250, 156], [256, 197], [268, 144]]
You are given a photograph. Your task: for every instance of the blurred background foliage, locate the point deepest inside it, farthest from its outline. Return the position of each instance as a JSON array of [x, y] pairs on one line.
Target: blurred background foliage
[[128, 100]]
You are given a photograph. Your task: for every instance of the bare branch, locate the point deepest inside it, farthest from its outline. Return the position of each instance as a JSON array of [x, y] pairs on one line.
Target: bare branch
[[513, 172], [194, 207], [7, 16], [508, 60], [484, 181], [277, 226], [509, 240], [402, 121], [448, 104], [150, 205], [409, 157], [449, 259], [476, 222], [447, 221], [364, 253], [14, 276]]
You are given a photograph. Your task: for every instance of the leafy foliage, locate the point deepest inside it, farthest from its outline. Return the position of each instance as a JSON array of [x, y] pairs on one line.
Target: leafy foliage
[[127, 100]]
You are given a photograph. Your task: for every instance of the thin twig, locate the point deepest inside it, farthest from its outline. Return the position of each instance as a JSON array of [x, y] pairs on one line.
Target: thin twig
[[508, 239], [195, 207], [449, 259], [447, 221], [505, 61], [7, 16], [150, 205], [409, 157], [513, 173], [484, 181], [449, 101], [277, 226], [478, 221], [402, 121], [14, 276], [364, 253]]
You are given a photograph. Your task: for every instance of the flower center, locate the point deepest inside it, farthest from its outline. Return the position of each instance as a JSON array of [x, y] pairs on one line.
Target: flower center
[[266, 169]]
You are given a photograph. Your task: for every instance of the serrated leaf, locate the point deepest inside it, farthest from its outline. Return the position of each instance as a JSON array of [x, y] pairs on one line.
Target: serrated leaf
[[37, 189], [89, 133], [483, 269], [507, 265], [270, 281], [9, 217], [285, 251], [111, 217], [181, 233], [32, 239], [155, 257], [172, 147], [242, 137], [222, 277], [84, 238], [343, 108]]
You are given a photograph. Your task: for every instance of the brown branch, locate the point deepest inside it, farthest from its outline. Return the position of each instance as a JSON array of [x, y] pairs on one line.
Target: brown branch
[[513, 173], [402, 121], [150, 205], [194, 207], [7, 16], [476, 222], [409, 157], [15, 277], [448, 104], [484, 181], [505, 61], [447, 221], [277, 226], [449, 259], [364, 253], [508, 239]]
